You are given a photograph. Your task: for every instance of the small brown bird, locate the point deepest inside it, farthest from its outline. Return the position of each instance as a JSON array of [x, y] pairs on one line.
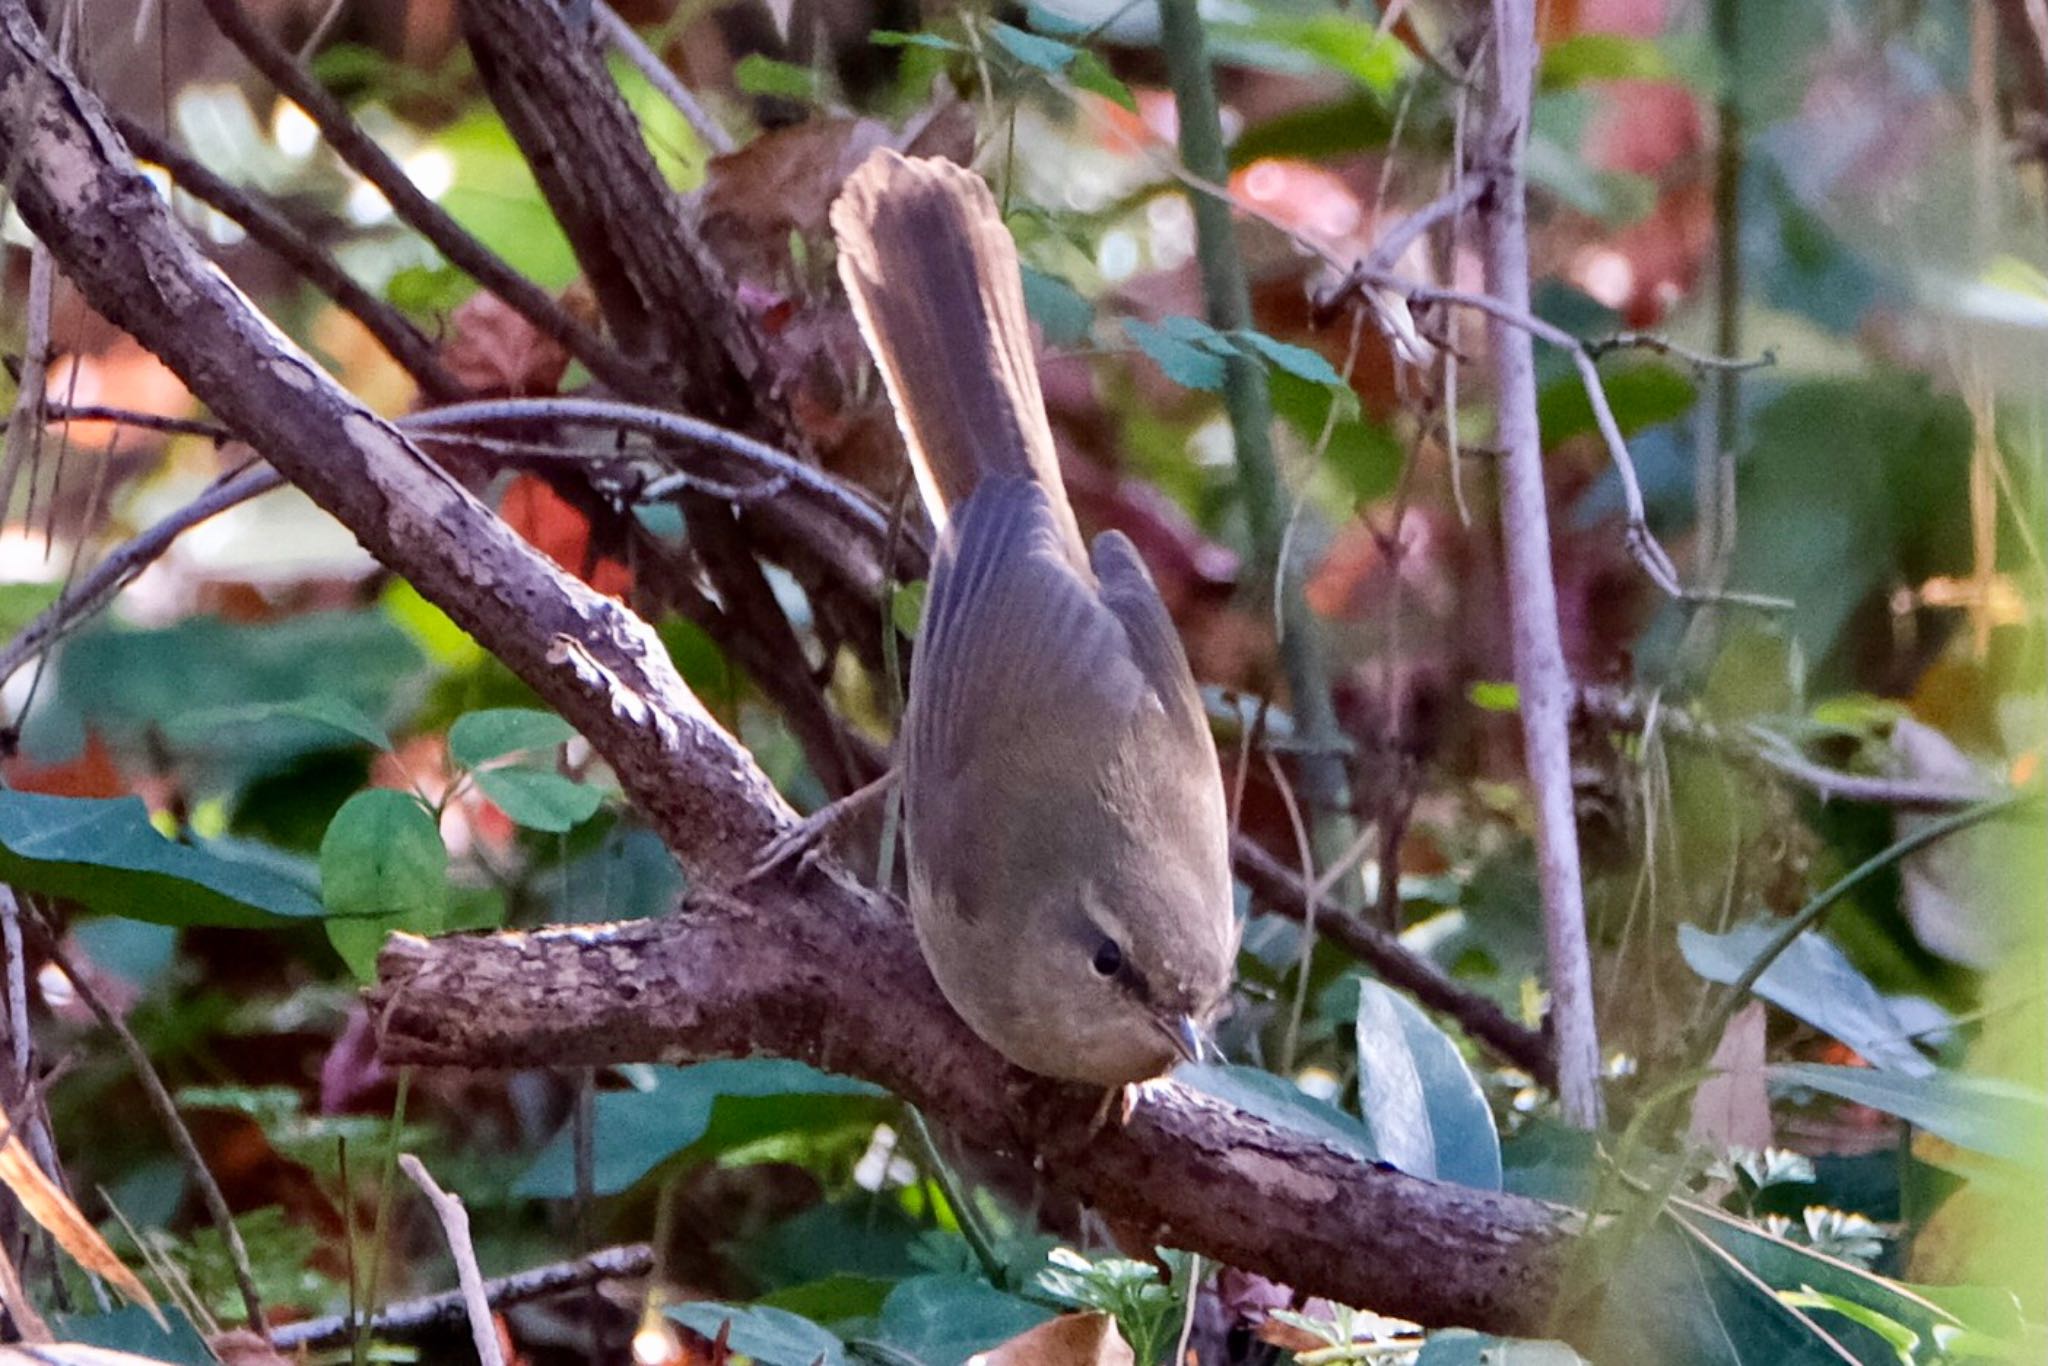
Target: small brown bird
[[1063, 810]]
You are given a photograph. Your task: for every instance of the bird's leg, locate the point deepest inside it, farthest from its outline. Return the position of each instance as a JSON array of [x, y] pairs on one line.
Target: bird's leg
[[825, 826]]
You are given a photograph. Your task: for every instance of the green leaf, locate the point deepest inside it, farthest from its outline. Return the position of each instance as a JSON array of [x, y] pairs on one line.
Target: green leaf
[[944, 1320], [481, 736], [1495, 696], [638, 1130], [1043, 54], [1984, 1114], [1641, 396], [773, 1337], [131, 1329], [1280, 1102], [322, 710], [1784, 1265], [428, 291], [1298, 361], [1903, 1340], [104, 854], [1185, 364], [1060, 309], [1348, 44], [906, 607], [1426, 1111], [538, 799], [1602, 57], [759, 75], [883, 37], [1812, 980], [1092, 74], [1672, 1297], [383, 856]]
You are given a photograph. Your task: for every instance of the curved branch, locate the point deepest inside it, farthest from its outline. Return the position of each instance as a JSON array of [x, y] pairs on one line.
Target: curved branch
[[402, 341], [410, 203], [730, 978], [777, 970]]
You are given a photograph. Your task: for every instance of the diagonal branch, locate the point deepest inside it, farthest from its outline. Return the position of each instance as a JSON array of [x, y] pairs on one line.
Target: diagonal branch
[[824, 971], [356, 147], [263, 222]]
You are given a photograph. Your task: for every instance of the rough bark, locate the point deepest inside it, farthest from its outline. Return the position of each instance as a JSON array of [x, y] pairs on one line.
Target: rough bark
[[819, 970]]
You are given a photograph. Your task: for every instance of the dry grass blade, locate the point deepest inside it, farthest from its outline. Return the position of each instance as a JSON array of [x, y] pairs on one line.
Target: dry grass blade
[[49, 1206]]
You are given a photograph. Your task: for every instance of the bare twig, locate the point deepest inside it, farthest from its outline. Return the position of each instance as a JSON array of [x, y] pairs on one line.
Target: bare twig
[[1643, 544], [55, 413], [1659, 344], [626, 42], [410, 1317], [1759, 747], [1281, 891], [858, 510], [1542, 680], [356, 147], [167, 1112], [120, 566], [454, 1221], [24, 431], [404, 343], [1325, 781], [1392, 244]]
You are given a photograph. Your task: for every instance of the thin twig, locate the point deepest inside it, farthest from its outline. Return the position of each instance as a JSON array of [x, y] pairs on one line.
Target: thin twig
[[656, 422], [1759, 747], [356, 147], [1228, 299], [1284, 893], [1809, 915], [454, 1221], [57, 413], [1542, 679], [1392, 244], [1643, 545], [121, 565], [167, 1112], [1659, 344], [626, 42], [411, 1317], [404, 342]]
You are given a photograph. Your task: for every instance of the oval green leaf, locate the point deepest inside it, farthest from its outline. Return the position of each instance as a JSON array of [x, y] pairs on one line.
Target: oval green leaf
[[104, 854], [481, 736]]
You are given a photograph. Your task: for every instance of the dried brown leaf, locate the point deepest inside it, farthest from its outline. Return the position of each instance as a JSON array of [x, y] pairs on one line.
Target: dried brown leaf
[[1069, 1340], [49, 1206], [1732, 1109]]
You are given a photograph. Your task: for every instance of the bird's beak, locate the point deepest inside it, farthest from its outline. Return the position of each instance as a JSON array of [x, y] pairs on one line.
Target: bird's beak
[[1185, 1036]]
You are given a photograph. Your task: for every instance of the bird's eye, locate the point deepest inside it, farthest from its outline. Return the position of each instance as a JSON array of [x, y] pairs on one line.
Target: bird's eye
[[1109, 958]]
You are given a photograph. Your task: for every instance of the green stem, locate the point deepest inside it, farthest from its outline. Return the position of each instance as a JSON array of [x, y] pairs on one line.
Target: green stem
[[1325, 782], [387, 1184], [1810, 914], [969, 1218]]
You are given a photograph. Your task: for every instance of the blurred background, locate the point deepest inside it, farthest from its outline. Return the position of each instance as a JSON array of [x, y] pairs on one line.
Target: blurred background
[[1805, 243]]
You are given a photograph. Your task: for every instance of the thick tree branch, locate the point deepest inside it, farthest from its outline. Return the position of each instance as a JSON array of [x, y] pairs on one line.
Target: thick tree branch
[[775, 974], [829, 974], [600, 666]]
